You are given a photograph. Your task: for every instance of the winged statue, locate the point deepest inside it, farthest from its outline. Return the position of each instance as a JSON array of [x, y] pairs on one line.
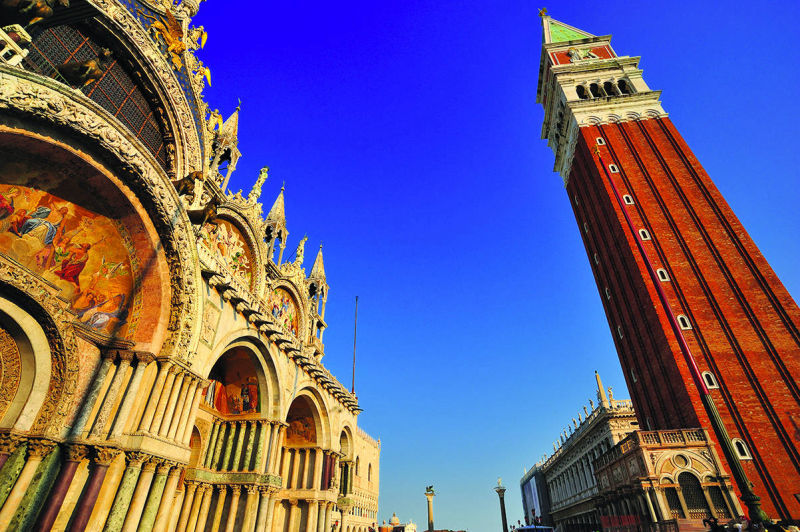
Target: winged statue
[[170, 31]]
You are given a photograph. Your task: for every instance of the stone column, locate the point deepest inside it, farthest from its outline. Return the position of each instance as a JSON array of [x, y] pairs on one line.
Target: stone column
[[94, 391], [140, 495], [74, 455], [176, 432], [239, 444], [223, 429], [684, 508], [273, 442], [155, 395], [83, 509], [37, 450], [430, 495], [204, 508], [321, 517], [189, 423], [311, 522], [143, 359], [148, 518], [248, 450], [650, 508], [264, 507], [165, 507], [303, 482], [235, 492], [127, 485], [194, 512], [181, 408], [166, 393], [317, 478], [222, 492], [260, 461], [212, 442], [226, 457], [250, 509], [293, 508], [189, 493], [276, 454], [295, 469], [328, 512], [178, 386], [112, 394]]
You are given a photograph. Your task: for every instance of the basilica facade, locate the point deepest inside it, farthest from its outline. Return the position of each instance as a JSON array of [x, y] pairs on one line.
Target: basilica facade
[[160, 349]]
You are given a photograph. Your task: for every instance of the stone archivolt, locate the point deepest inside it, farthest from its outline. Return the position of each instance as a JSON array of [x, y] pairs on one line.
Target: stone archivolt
[[197, 399]]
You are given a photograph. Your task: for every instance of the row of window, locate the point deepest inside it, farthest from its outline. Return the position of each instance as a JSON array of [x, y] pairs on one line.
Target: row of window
[[587, 91]]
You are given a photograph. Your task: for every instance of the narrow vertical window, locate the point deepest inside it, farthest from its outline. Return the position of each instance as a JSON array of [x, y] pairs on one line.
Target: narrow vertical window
[[596, 258], [644, 234], [608, 293], [601, 141], [613, 168], [585, 228], [619, 331], [741, 449], [627, 199], [662, 274], [683, 321], [711, 381]]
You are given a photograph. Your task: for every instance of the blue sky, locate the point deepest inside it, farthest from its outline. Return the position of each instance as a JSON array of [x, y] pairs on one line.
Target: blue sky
[[409, 139]]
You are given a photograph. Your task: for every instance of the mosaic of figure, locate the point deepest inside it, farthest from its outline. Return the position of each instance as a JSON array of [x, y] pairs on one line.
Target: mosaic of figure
[[284, 310], [226, 240], [233, 389], [74, 248]]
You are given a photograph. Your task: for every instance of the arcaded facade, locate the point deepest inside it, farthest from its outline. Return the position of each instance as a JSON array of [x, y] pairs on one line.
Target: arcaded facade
[[160, 349]]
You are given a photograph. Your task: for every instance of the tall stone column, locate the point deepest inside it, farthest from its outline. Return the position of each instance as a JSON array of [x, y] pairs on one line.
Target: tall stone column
[[501, 491], [250, 509], [188, 424], [74, 455], [165, 507], [155, 395], [212, 442], [264, 508], [94, 391], [127, 485], [131, 395], [100, 421], [226, 457], [429, 494], [273, 443], [296, 469], [239, 445], [223, 430], [208, 492], [176, 431], [180, 407], [222, 492], [248, 448], [311, 521], [317, 478], [328, 513], [178, 386], [260, 461], [83, 509], [166, 394], [140, 495], [279, 444], [303, 481], [293, 517], [234, 509], [188, 499], [37, 450], [147, 521], [194, 512], [323, 505]]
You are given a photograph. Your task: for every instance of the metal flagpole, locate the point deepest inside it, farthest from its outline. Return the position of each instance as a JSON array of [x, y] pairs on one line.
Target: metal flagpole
[[355, 331], [753, 501]]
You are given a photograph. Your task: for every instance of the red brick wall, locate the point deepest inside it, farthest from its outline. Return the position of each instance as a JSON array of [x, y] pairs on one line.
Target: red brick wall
[[745, 325]]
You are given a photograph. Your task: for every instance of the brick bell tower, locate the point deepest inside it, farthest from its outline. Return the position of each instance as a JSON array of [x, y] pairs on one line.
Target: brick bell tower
[[681, 281]]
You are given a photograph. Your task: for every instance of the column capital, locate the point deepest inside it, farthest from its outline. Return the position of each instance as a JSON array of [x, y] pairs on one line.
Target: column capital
[[293, 502], [105, 455], [165, 467], [110, 354], [152, 463], [173, 369], [236, 489], [144, 357], [126, 354], [251, 489], [76, 452], [40, 448], [221, 487], [136, 458], [9, 442]]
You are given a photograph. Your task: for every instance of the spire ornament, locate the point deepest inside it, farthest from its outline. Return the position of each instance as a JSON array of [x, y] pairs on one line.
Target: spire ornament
[[255, 192]]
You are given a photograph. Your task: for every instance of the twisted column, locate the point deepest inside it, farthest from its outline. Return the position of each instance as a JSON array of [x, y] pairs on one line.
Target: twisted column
[[83, 510]]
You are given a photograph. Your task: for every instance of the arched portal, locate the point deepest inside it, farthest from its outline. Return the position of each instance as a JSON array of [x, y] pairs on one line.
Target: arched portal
[[236, 384]]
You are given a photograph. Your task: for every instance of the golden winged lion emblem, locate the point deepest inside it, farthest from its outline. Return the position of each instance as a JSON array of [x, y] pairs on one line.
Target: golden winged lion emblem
[[170, 31]]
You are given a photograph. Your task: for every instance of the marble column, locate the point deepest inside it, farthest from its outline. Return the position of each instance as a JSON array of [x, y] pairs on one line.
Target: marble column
[[165, 507], [182, 417], [166, 393], [212, 443], [37, 450], [74, 455], [94, 391], [131, 395], [186, 429], [83, 509], [259, 462], [204, 508], [264, 507], [147, 521], [180, 407], [239, 445], [189, 489], [194, 512], [311, 521], [317, 478], [155, 395], [100, 421], [172, 523], [296, 469], [127, 486], [178, 386], [140, 495], [226, 457], [277, 448], [248, 448], [328, 512], [303, 481], [250, 509], [235, 492], [321, 517], [222, 492], [223, 430], [293, 511], [273, 443]]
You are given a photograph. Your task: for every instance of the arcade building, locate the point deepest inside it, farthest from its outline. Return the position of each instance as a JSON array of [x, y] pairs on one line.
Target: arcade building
[[161, 362]]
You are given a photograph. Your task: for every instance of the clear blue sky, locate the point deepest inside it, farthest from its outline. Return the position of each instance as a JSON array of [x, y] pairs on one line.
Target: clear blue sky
[[409, 138]]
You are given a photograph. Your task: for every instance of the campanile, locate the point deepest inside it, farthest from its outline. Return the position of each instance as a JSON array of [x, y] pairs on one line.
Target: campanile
[[681, 281]]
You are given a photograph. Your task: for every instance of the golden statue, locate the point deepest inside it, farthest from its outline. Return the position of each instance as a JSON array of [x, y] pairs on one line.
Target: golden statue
[[171, 31]]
